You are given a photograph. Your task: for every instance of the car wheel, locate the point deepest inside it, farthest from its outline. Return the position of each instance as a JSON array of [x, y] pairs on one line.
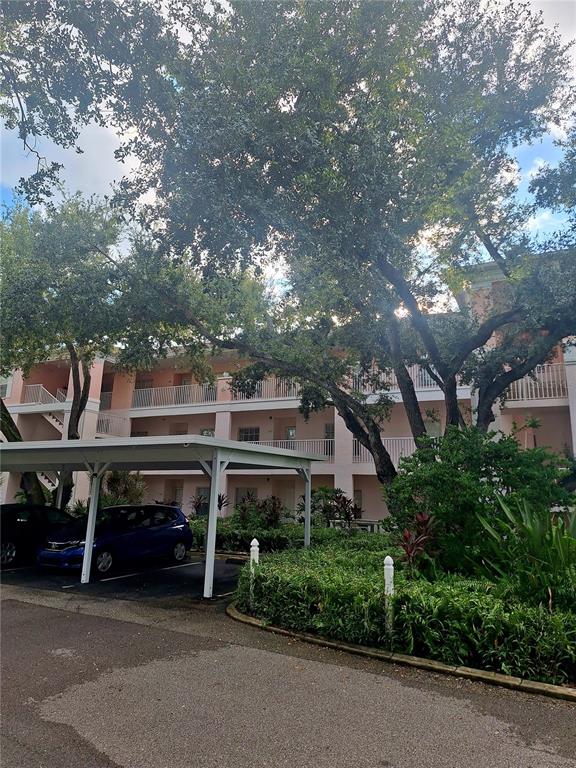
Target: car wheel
[[7, 553], [104, 562], [179, 552]]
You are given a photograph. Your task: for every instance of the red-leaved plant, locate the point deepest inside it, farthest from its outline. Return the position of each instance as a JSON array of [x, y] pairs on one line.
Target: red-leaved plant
[[416, 543]]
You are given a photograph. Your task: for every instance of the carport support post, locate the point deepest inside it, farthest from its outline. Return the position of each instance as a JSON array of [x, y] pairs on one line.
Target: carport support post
[[96, 479], [306, 474], [60, 490], [212, 518]]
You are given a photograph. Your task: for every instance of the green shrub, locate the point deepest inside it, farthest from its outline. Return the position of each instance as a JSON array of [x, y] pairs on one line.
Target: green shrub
[[460, 476], [329, 504], [340, 594], [233, 536], [534, 550]]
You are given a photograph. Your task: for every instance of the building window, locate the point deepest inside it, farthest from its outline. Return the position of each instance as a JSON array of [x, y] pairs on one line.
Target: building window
[[5, 386], [174, 492], [358, 498], [207, 432], [249, 434], [179, 429], [144, 383], [290, 434], [139, 433], [245, 494]]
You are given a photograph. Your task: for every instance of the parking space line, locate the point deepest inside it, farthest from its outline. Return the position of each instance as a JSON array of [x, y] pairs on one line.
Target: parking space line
[[182, 565], [142, 573], [137, 573]]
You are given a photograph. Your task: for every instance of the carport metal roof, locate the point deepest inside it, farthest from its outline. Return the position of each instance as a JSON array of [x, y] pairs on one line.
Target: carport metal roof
[[179, 452]]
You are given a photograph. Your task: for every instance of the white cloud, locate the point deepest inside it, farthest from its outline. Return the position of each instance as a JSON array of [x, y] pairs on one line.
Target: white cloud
[[542, 221], [92, 172], [537, 164]]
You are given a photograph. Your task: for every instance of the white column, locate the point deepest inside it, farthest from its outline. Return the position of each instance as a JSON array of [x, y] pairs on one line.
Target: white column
[[223, 430], [96, 478], [307, 505], [570, 366], [343, 464], [212, 517]]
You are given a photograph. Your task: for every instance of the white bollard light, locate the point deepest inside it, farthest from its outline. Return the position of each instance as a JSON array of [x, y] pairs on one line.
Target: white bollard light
[[388, 576], [254, 553], [388, 595], [254, 560]]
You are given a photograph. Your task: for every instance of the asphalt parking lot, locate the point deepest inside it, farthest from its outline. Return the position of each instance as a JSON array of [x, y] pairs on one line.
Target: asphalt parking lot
[[151, 581], [114, 683]]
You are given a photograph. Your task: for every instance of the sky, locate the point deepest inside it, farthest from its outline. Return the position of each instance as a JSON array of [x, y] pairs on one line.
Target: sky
[[95, 171]]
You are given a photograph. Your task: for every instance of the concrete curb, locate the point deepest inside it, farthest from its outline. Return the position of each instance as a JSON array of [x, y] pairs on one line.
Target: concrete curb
[[491, 678]]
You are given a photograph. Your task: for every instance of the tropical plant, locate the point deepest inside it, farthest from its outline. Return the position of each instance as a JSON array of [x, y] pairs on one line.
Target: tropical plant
[[330, 505], [122, 487], [415, 542], [457, 477], [535, 549]]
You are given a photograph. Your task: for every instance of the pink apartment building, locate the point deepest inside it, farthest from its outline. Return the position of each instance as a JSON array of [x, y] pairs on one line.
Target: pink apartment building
[[167, 401]]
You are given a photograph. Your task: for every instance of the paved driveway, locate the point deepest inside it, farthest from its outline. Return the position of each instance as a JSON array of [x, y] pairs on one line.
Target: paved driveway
[[153, 581], [91, 682]]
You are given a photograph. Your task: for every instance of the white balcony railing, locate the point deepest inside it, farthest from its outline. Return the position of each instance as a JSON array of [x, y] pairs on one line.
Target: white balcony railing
[[397, 447], [105, 401], [271, 389], [36, 394], [548, 382], [108, 424], [320, 447], [160, 397], [421, 378]]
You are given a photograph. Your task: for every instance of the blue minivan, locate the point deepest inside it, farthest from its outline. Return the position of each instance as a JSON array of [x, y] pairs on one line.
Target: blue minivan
[[124, 533]]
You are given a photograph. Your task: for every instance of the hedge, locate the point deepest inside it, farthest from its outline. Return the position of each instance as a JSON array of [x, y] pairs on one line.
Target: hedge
[[458, 621], [230, 537]]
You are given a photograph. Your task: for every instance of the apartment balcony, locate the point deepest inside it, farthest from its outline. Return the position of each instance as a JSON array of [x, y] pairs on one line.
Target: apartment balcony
[[421, 378], [163, 397], [36, 394], [547, 383], [111, 425], [272, 389], [397, 447], [317, 447], [193, 394]]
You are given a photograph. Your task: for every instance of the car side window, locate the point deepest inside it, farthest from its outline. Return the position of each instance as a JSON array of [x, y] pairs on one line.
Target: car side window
[[124, 519], [145, 518], [159, 516]]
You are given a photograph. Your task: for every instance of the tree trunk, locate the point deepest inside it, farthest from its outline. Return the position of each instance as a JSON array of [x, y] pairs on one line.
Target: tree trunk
[[453, 417], [405, 383], [410, 401], [367, 432], [32, 487], [80, 392]]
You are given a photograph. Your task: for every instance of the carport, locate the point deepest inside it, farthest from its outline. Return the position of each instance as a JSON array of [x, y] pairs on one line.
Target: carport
[[188, 452]]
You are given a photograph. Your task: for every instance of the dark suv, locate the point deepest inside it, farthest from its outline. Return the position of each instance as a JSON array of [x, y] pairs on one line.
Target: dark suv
[[123, 533], [24, 527]]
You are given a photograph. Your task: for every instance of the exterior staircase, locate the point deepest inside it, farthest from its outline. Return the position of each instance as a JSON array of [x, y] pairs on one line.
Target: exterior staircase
[[56, 419]]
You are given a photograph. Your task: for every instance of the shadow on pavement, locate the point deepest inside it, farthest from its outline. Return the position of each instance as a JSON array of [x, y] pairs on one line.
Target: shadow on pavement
[[140, 581]]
